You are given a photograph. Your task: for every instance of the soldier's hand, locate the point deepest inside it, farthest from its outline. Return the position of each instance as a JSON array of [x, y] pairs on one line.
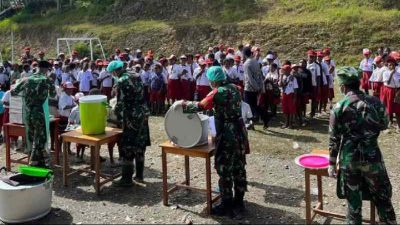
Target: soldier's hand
[[332, 171]]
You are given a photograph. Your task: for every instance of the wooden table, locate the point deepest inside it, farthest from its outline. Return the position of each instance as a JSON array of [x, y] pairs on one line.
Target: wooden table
[[319, 208], [95, 142], [206, 152], [18, 130]]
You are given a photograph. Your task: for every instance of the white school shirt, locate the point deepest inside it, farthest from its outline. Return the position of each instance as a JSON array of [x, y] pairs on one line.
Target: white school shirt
[[291, 85], [85, 78], [188, 75], [315, 71], [96, 75], [145, 77], [325, 72], [64, 101], [66, 77], [231, 73], [107, 82], [246, 111], [217, 55], [75, 73], [74, 117], [265, 70], [6, 98], [377, 75], [165, 75], [26, 74], [395, 82], [202, 80], [174, 71], [274, 77], [239, 71], [3, 78], [367, 65]]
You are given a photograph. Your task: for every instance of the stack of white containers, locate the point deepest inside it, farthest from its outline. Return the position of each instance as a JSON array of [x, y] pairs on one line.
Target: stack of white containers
[[16, 109]]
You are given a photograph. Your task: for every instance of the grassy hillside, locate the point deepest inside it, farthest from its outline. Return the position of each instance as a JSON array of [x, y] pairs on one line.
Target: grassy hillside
[[289, 26]]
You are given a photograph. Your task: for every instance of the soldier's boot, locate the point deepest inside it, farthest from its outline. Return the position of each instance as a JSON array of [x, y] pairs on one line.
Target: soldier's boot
[[139, 171], [223, 209], [126, 179], [238, 206]]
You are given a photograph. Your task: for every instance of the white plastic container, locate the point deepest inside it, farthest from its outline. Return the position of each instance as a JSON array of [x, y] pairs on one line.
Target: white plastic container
[[186, 130], [26, 202]]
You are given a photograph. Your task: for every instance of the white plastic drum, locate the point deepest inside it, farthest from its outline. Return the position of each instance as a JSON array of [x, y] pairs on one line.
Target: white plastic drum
[[26, 202], [186, 130]]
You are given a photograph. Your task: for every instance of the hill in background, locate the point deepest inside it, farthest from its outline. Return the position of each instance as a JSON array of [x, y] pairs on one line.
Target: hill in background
[[287, 26]]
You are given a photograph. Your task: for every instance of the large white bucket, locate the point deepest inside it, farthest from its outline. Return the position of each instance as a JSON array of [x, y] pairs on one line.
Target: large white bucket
[[186, 130]]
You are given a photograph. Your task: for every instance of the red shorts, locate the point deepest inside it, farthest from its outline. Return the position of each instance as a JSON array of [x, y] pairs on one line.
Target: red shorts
[[202, 91], [324, 94], [174, 87], [365, 84], [316, 94], [106, 91], [185, 89], [388, 100], [288, 104]]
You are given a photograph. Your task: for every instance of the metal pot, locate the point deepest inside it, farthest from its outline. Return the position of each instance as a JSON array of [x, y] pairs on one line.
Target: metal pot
[[25, 202]]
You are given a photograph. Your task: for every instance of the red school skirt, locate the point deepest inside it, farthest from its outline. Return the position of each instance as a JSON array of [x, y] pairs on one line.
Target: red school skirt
[[388, 100], [156, 96], [202, 91], [288, 104], [324, 93], [174, 87], [365, 84], [377, 88]]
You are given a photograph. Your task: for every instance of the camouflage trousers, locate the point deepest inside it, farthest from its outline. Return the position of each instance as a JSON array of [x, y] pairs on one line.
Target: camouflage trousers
[[232, 174], [37, 137], [371, 178]]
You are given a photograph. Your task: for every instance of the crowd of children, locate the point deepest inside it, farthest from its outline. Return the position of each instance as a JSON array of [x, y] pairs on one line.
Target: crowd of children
[[285, 85]]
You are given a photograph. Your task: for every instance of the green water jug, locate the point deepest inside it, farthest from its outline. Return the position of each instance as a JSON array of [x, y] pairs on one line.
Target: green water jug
[[93, 112]]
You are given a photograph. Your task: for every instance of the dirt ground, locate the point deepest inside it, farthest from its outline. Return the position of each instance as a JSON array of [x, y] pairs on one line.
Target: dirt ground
[[275, 191]]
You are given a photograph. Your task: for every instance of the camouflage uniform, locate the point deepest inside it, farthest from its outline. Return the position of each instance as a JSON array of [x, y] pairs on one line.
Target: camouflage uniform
[[36, 89], [231, 141], [133, 113], [355, 124]]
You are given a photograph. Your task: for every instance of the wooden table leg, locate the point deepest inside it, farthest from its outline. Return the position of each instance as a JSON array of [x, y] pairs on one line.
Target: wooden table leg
[[8, 153], [165, 176], [56, 143], [208, 183], [65, 163], [372, 216], [187, 170], [97, 169], [307, 197], [92, 157], [320, 194]]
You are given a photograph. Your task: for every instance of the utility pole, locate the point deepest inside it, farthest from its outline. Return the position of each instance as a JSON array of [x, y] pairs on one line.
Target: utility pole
[[58, 6]]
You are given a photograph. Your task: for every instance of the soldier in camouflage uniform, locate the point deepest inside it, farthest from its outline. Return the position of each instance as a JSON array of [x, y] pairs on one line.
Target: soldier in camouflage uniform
[[133, 113], [231, 141], [355, 124], [36, 89]]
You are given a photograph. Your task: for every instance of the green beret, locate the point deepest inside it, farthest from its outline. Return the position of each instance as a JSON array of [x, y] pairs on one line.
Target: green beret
[[114, 65], [348, 75], [215, 73]]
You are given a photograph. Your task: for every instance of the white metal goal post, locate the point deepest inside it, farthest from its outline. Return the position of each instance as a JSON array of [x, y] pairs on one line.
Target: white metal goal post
[[90, 40]]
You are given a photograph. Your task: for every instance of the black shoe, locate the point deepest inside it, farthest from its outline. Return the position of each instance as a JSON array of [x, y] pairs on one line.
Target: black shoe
[[238, 209], [223, 209]]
